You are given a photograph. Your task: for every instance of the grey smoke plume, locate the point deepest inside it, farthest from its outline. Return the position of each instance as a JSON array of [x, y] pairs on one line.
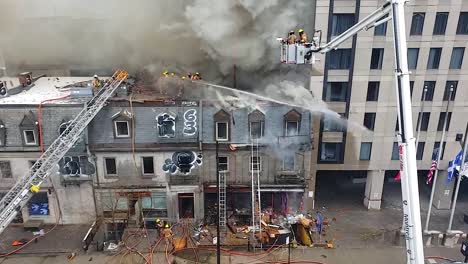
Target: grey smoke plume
[[209, 36]]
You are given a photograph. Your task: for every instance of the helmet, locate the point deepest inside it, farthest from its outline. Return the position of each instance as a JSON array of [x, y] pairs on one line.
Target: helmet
[[197, 73], [166, 226], [183, 77], [172, 74], [95, 76], [291, 32], [158, 220], [300, 30]]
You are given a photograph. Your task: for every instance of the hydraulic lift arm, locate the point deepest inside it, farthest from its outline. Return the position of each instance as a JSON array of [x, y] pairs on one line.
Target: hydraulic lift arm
[[30, 183]]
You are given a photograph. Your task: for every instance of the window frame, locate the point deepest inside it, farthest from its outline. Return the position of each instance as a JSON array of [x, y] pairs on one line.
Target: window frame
[[259, 164], [116, 130], [219, 163], [381, 30], [286, 128], [328, 96], [26, 138], [2, 174], [447, 91], [368, 157], [343, 62], [410, 65], [462, 25], [441, 16], [440, 123], [452, 60], [434, 64], [283, 162], [376, 88], [262, 129], [420, 150], [217, 138], [395, 150], [431, 85], [335, 22], [373, 115], [414, 30], [338, 156], [424, 118], [106, 173], [377, 65], [143, 166]]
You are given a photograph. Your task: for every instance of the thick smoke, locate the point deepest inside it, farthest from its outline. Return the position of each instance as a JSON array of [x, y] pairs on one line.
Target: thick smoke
[[208, 36]]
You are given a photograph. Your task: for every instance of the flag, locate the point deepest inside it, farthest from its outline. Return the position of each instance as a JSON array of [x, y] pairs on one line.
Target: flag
[[398, 176], [433, 167], [454, 166]]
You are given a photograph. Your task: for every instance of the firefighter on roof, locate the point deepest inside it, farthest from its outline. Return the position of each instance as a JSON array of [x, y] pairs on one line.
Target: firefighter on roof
[[302, 36], [291, 38]]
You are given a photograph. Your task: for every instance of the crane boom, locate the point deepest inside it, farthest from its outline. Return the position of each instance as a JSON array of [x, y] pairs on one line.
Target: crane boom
[[21, 192]]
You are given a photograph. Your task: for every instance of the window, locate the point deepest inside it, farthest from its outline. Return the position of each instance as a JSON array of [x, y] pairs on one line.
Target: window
[[434, 58], [436, 148], [381, 30], [155, 206], [112, 201], [221, 131], [420, 150], [462, 27], [448, 85], [256, 129], [256, 124], [5, 169], [429, 86], [341, 22], [221, 123], [39, 204], [336, 92], [377, 59], [411, 86], [369, 120], [413, 55], [292, 121], [288, 162], [111, 166], [395, 152], [417, 23], [2, 134], [166, 125], [339, 59], [292, 128], [29, 137], [373, 91], [330, 151], [331, 124], [423, 120], [255, 164], [121, 129], [223, 163], [366, 149], [148, 165], [440, 23], [457, 58], [440, 125]]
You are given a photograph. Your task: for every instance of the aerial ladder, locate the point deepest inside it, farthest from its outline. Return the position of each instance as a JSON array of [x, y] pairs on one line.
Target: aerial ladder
[[305, 54], [30, 183]]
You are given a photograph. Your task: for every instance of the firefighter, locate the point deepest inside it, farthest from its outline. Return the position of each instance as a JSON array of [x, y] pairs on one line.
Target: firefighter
[[96, 82], [197, 76], [291, 38], [167, 233], [302, 36], [159, 226], [164, 73]]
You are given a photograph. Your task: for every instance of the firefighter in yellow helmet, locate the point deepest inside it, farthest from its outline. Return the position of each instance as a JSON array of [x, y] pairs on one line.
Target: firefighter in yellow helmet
[[159, 226], [302, 36], [291, 38], [167, 233]]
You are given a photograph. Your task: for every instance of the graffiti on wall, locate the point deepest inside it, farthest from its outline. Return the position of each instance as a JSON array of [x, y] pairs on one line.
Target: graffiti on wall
[[183, 162], [74, 166], [190, 122], [166, 125]]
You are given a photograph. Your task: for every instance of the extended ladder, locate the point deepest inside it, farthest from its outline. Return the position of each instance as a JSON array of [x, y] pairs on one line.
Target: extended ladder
[[222, 200], [29, 184], [256, 207]]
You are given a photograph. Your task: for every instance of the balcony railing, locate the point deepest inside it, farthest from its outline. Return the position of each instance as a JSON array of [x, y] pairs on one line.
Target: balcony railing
[[289, 176]]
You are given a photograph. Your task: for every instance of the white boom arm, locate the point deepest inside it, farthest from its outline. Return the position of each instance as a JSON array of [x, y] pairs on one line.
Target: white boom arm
[[409, 182], [21, 192]]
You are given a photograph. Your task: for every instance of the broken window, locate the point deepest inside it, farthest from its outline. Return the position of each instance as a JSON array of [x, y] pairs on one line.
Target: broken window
[[186, 205], [292, 121], [166, 125], [330, 151], [111, 166], [121, 129], [221, 131], [223, 164], [255, 163], [5, 169], [256, 124], [154, 206], [111, 202], [148, 165], [29, 137], [39, 204]]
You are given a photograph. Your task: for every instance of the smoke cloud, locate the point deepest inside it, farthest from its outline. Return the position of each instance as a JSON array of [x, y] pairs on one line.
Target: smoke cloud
[[208, 36]]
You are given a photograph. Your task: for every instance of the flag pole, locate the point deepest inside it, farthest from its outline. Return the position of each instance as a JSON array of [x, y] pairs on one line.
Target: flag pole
[[439, 154], [465, 143]]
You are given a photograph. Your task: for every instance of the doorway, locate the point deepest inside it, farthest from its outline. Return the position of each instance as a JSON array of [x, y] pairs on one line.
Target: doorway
[[186, 205]]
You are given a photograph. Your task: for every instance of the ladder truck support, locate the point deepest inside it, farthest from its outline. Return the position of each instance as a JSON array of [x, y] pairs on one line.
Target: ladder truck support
[[415, 251]]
